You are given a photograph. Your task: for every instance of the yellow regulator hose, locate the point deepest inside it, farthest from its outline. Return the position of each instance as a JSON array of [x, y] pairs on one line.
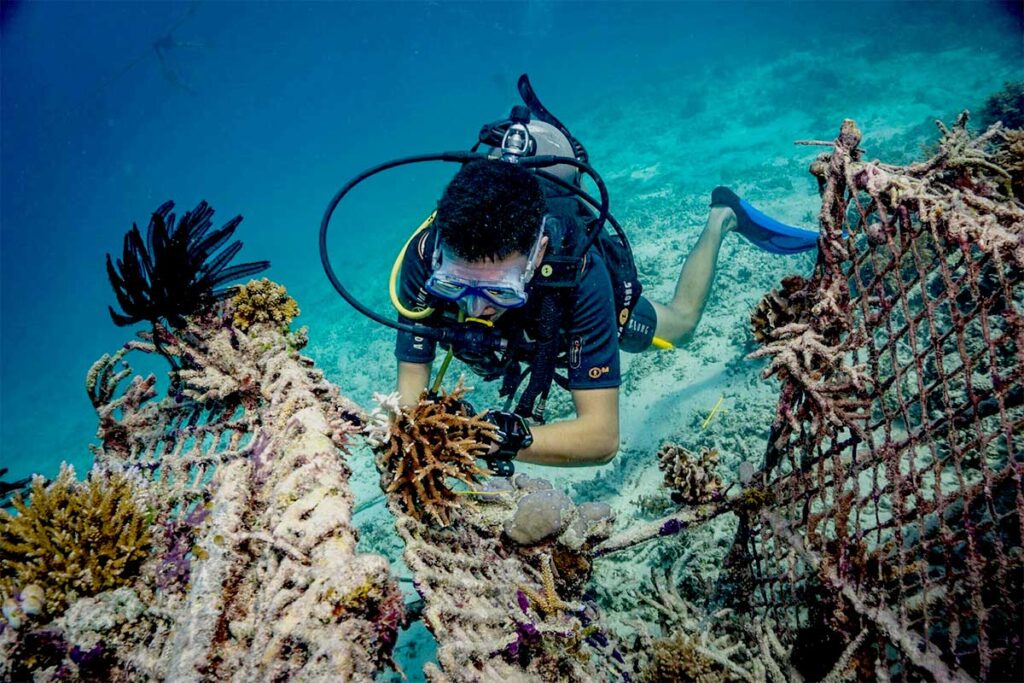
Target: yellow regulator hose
[[392, 282]]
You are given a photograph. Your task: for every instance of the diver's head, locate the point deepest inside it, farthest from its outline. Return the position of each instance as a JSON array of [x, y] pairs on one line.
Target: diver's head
[[490, 238]]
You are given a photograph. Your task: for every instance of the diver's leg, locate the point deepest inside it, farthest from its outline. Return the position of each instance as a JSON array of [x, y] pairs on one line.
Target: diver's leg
[[678, 319]]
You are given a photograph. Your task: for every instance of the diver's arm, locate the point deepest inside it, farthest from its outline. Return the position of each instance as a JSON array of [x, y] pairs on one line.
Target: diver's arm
[[412, 381], [592, 438]]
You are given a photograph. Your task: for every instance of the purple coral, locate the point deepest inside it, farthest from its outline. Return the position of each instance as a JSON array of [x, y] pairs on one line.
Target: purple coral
[[524, 602], [526, 634], [670, 527], [175, 566], [259, 456]]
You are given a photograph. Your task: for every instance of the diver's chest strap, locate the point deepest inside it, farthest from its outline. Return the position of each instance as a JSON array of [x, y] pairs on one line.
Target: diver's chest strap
[[559, 272]]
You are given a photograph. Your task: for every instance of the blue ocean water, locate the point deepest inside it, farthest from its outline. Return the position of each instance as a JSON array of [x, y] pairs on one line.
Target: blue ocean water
[[265, 109]]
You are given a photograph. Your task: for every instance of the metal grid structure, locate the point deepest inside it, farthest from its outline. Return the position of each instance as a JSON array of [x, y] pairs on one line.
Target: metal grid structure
[[243, 460], [892, 501]]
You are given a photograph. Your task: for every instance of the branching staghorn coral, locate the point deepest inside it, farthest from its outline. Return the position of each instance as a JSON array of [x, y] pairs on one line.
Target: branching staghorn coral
[[693, 480], [546, 600], [219, 373], [262, 302], [429, 444], [73, 539]]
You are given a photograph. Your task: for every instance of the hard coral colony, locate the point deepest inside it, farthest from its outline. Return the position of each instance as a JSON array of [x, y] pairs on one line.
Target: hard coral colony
[[263, 302], [429, 444], [72, 540]]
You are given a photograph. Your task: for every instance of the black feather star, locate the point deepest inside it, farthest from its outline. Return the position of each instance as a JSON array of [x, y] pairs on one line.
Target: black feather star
[[174, 273]]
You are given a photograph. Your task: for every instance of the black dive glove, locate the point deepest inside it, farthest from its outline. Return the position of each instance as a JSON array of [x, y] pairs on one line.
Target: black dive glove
[[513, 435]]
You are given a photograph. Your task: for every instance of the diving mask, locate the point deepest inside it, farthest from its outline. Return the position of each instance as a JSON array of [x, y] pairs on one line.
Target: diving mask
[[474, 286]]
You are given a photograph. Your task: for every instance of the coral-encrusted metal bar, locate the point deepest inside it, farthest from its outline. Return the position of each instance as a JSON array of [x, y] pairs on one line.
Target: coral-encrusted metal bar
[[897, 462], [247, 451]]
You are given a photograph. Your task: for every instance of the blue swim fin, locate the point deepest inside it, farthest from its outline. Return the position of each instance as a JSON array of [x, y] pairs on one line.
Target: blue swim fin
[[763, 230]]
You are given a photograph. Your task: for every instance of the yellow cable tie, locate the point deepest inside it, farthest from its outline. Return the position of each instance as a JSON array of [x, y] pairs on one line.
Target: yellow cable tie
[[713, 411]]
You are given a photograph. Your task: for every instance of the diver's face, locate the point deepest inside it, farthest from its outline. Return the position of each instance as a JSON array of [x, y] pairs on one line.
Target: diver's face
[[486, 288], [497, 275]]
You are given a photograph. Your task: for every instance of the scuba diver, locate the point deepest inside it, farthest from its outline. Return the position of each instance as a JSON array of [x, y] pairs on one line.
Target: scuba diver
[[515, 275]]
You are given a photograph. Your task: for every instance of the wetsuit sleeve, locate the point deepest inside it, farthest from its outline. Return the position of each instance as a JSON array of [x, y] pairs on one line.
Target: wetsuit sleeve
[[593, 356], [411, 292]]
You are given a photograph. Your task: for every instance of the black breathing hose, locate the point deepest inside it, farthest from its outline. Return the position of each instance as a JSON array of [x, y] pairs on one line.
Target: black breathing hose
[[433, 333], [446, 334]]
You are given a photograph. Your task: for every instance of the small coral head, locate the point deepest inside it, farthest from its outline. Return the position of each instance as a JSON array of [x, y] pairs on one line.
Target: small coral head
[[33, 599], [692, 478], [262, 302]]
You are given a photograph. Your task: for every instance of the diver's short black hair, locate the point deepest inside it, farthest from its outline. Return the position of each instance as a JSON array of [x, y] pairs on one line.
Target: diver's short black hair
[[489, 210]]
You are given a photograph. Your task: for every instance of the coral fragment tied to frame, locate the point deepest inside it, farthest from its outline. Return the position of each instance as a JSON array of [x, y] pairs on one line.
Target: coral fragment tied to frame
[[429, 445], [693, 479]]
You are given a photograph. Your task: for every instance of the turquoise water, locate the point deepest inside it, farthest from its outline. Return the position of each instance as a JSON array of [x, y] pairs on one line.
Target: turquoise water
[[266, 109]]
